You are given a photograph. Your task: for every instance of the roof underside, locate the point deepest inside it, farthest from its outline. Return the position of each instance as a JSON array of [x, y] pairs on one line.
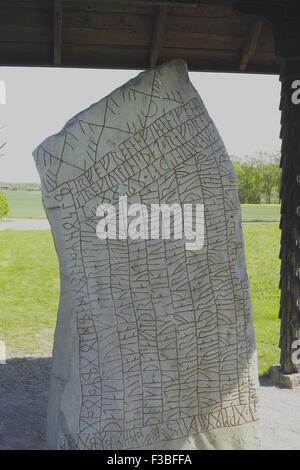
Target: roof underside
[[134, 34]]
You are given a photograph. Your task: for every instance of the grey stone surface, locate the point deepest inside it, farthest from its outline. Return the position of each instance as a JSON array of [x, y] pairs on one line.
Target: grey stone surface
[[287, 380], [154, 345]]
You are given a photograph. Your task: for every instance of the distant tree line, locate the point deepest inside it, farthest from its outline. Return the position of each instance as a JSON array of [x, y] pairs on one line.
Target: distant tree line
[[258, 178], [22, 186]]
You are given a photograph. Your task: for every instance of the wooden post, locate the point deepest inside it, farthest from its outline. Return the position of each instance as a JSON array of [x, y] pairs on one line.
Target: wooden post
[[284, 19], [290, 215]]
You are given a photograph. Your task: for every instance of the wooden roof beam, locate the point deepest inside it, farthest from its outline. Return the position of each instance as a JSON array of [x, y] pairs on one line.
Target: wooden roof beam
[[251, 42], [158, 32], [181, 3], [57, 31]]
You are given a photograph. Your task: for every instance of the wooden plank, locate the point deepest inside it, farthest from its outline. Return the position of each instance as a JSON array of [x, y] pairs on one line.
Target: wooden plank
[[106, 56], [125, 38], [220, 61], [129, 58], [105, 36], [111, 21], [214, 41], [261, 58], [38, 4], [157, 37], [203, 11], [28, 54], [140, 38], [203, 41], [21, 34], [163, 2], [121, 5], [178, 9], [266, 69], [251, 42], [199, 55], [57, 31], [26, 16], [235, 27], [108, 7]]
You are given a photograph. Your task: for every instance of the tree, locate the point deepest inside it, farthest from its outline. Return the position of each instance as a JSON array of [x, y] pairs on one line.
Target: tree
[[258, 177], [268, 166], [249, 180]]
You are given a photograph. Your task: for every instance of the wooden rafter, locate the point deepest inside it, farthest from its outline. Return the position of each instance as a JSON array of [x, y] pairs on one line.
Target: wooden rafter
[[182, 3], [251, 43], [158, 31], [208, 34], [57, 31]]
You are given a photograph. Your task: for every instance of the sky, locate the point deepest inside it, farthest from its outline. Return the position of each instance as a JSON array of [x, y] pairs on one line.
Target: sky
[[39, 101]]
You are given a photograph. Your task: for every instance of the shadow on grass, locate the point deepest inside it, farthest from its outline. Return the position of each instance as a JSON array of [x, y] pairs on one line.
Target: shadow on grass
[[24, 385]]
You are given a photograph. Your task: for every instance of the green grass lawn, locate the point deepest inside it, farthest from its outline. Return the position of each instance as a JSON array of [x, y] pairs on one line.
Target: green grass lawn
[[263, 265], [261, 213], [29, 291], [25, 204]]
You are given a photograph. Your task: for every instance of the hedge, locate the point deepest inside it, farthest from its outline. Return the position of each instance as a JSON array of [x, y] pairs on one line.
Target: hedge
[[3, 206]]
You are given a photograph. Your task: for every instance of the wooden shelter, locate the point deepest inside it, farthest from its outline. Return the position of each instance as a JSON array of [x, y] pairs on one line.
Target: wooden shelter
[[134, 34], [254, 36]]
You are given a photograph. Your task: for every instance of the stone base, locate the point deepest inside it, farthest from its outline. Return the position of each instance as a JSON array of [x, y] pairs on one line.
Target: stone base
[[287, 380]]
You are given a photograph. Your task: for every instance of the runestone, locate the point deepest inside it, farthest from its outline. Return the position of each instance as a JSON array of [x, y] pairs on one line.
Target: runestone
[[154, 345]]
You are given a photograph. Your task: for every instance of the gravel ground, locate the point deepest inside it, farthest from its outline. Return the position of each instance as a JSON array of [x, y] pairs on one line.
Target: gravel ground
[[25, 224], [280, 412], [24, 387], [23, 407]]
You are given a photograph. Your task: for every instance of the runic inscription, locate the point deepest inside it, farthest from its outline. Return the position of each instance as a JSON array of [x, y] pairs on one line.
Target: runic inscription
[[154, 343]]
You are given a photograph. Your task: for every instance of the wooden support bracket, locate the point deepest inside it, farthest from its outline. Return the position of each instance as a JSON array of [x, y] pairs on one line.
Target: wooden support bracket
[[251, 42], [158, 32]]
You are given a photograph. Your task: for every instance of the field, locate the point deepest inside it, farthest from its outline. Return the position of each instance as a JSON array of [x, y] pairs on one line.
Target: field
[[28, 205], [261, 213], [25, 204], [263, 265], [29, 285]]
